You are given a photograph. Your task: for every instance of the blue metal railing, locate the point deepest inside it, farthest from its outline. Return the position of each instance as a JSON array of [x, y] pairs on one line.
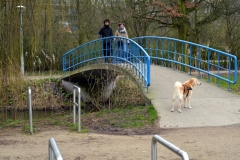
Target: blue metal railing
[[164, 51], [93, 53], [180, 54]]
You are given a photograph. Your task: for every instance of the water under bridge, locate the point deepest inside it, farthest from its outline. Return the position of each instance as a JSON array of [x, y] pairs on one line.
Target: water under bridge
[[154, 64]]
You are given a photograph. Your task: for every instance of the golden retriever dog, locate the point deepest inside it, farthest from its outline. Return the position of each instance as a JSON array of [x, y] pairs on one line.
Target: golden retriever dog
[[183, 91]]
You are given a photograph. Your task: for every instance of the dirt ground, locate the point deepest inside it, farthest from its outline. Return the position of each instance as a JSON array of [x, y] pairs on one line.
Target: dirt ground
[[204, 143]]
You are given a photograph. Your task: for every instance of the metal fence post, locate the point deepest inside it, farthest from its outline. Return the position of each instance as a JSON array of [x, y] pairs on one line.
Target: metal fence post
[[53, 151], [168, 145], [74, 106], [30, 109], [79, 110], [76, 88]]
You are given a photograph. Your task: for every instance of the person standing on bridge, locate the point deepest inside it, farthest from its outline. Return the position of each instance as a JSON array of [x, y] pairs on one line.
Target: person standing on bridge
[[106, 31], [121, 43]]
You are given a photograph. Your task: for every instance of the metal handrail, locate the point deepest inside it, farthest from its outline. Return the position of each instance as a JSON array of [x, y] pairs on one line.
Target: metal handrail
[[53, 150], [76, 88], [175, 53], [168, 145], [30, 109], [92, 53]]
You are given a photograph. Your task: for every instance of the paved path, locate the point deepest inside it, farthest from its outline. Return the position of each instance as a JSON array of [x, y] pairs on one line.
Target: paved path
[[211, 105]]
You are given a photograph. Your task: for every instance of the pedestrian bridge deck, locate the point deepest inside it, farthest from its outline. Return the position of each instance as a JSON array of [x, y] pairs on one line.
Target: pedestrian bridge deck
[[211, 105]]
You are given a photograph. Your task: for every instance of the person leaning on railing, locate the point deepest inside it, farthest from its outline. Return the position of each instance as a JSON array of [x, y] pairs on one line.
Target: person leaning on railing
[[122, 49], [106, 31]]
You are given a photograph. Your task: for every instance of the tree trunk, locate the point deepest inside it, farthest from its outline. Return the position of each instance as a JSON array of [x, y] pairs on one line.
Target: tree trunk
[[182, 31], [182, 24]]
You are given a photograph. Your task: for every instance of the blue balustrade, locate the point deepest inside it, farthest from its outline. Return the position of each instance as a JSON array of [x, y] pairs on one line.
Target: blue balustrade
[[190, 57], [114, 50], [139, 52]]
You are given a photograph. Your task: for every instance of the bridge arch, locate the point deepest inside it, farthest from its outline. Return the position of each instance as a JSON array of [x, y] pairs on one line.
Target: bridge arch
[[109, 72]]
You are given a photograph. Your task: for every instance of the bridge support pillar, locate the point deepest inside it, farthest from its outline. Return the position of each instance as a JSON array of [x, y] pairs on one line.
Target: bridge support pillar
[[69, 87]]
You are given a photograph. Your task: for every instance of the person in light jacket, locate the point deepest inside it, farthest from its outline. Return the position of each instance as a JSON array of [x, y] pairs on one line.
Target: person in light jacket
[[121, 43]]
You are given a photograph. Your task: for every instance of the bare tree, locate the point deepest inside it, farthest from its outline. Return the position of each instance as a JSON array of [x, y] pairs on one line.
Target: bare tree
[[232, 21]]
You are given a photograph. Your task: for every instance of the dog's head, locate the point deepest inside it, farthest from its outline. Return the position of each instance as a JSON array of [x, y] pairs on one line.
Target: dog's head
[[194, 81]]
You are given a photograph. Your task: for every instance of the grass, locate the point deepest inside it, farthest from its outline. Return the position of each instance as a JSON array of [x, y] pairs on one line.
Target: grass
[[152, 114], [26, 128], [129, 117], [44, 73], [61, 119], [74, 127], [11, 123], [224, 84]]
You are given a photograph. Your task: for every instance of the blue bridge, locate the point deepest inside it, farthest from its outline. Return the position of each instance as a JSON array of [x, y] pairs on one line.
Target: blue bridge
[[154, 64]]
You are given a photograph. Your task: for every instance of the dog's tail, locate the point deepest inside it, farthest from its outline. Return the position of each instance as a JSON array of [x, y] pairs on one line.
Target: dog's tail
[[177, 84], [177, 90]]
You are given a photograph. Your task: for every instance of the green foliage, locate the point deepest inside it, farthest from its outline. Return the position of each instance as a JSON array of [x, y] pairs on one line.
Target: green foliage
[[234, 87], [102, 113], [26, 128], [152, 114], [128, 117], [125, 93], [116, 110], [56, 122], [47, 93], [74, 127], [137, 119], [45, 73], [15, 123], [11, 123], [218, 47], [56, 80]]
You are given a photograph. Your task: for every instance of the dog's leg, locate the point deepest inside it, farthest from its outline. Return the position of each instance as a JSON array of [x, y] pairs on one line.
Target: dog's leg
[[173, 100], [189, 99], [184, 100], [189, 103], [180, 104]]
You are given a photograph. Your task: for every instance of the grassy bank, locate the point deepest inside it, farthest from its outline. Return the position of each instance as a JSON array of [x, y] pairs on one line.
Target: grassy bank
[[233, 87], [52, 106], [119, 119]]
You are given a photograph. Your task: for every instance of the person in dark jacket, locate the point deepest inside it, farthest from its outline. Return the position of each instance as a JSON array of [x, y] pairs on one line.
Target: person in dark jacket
[[106, 31]]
